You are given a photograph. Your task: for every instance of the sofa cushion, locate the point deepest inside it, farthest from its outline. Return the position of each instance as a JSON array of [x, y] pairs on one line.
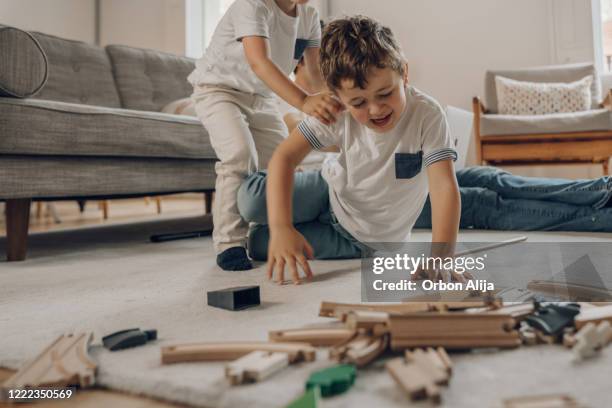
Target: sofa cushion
[[23, 66], [493, 124], [149, 80], [91, 177], [78, 73], [556, 73], [40, 127]]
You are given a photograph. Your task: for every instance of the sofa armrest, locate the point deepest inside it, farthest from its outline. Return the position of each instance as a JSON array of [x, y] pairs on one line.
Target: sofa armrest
[[23, 71]]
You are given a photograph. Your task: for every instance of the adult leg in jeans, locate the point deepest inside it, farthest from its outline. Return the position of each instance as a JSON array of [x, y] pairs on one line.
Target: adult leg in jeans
[[596, 193], [482, 208], [310, 211]]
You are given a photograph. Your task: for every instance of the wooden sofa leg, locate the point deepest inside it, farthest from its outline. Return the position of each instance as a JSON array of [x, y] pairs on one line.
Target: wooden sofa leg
[[606, 167], [17, 224]]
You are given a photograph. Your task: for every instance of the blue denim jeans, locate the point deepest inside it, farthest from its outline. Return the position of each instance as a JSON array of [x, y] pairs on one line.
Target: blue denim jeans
[[312, 217], [492, 198]]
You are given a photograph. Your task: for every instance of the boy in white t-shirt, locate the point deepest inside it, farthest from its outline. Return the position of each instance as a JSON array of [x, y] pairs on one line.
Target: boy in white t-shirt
[[395, 148], [256, 45]]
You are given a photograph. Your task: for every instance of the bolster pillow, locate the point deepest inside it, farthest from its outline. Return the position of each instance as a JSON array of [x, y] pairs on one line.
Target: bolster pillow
[[23, 63]]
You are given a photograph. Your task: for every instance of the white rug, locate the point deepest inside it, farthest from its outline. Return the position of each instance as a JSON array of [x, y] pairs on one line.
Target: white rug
[[108, 279]]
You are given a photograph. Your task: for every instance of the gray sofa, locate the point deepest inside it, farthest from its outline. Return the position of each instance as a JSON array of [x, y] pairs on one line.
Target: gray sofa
[[79, 121]]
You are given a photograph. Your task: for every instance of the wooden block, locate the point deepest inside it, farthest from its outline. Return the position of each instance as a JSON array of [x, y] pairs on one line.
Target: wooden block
[[361, 350], [333, 309], [255, 366], [591, 339], [421, 372], [429, 364], [456, 330], [233, 350], [365, 319], [517, 311], [542, 401], [594, 315], [64, 363], [316, 337]]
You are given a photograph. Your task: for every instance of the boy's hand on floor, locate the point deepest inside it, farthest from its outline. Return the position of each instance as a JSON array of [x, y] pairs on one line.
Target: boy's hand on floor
[[323, 106], [444, 275], [288, 248]]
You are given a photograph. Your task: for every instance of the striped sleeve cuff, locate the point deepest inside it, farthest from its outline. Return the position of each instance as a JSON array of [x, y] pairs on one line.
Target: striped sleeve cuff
[[310, 136], [313, 43], [438, 155]]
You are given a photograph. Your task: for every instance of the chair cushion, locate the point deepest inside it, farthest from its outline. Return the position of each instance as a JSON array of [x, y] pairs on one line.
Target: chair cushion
[[541, 98], [78, 73], [40, 127], [23, 66], [493, 124], [556, 73], [149, 80]]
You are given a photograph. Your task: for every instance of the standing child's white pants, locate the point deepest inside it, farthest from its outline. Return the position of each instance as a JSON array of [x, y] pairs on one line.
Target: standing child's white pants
[[244, 130]]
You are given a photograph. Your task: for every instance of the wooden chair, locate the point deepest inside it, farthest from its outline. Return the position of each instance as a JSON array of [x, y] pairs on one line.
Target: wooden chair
[[554, 145]]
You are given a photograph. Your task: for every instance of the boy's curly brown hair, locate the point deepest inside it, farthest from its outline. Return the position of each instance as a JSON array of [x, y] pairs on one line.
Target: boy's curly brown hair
[[352, 45]]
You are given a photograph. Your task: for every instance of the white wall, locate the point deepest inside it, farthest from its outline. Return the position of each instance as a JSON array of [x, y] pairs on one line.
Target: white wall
[[155, 24], [450, 44], [72, 19]]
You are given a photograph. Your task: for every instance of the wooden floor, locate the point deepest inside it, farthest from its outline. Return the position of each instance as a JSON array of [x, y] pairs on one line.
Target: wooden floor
[[120, 211]]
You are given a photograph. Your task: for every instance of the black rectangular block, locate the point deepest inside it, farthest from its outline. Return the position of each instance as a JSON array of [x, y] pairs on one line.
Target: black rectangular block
[[234, 298]]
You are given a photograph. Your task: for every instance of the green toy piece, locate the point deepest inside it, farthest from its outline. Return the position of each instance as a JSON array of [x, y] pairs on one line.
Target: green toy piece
[[333, 380], [310, 399]]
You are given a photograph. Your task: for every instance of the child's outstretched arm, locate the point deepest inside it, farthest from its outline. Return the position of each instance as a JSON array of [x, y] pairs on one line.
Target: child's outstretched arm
[[322, 106], [287, 247], [445, 208]]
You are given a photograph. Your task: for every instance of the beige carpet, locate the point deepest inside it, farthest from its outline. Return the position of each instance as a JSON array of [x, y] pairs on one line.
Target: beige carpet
[[107, 279]]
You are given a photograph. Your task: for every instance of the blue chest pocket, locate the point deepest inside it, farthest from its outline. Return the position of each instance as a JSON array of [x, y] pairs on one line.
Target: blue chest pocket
[[300, 47], [408, 165]]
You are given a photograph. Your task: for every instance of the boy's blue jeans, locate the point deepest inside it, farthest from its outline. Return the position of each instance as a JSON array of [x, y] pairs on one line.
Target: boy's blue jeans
[[312, 217], [491, 198]]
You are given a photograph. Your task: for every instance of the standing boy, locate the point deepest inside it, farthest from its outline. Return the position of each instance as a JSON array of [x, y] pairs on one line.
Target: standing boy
[[254, 48]]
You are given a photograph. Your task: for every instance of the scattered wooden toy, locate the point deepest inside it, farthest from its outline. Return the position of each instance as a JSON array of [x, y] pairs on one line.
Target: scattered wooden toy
[[64, 363], [461, 330], [333, 380], [238, 298], [228, 351], [317, 337], [594, 315], [552, 319], [543, 401], [591, 339], [421, 372], [360, 350], [255, 366], [128, 338]]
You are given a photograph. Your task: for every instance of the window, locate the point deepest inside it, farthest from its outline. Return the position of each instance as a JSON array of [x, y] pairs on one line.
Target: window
[[202, 16], [606, 32]]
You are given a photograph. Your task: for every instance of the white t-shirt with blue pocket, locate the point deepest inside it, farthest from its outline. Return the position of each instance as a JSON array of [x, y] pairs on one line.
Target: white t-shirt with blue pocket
[[378, 184], [224, 63]]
